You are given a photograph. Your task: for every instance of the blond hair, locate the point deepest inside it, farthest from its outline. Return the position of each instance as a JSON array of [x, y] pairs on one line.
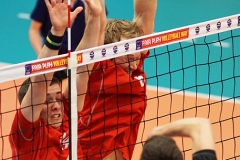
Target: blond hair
[[116, 29]]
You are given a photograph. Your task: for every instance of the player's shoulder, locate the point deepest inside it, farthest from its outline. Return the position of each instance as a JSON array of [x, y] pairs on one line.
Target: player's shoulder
[[79, 3], [205, 155]]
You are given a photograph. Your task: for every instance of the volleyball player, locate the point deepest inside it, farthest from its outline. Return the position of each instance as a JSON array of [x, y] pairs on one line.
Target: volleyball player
[[116, 98], [160, 145], [40, 128]]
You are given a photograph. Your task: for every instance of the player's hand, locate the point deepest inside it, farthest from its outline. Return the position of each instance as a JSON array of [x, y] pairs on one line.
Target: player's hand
[[151, 134], [156, 131], [58, 12]]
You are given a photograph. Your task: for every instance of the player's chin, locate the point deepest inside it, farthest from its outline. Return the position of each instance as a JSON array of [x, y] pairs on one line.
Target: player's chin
[[56, 124], [129, 73]]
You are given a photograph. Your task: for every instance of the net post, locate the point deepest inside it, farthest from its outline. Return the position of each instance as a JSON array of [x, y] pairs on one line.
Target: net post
[[72, 94], [73, 117]]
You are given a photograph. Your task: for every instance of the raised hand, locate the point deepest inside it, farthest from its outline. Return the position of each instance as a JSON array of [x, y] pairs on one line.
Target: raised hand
[[58, 12]]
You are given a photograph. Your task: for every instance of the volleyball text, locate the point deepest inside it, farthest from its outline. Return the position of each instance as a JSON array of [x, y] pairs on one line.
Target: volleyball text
[[165, 38]]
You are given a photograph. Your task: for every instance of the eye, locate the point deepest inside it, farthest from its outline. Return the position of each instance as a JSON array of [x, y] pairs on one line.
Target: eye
[[59, 100], [125, 60], [51, 101], [138, 58], [48, 102]]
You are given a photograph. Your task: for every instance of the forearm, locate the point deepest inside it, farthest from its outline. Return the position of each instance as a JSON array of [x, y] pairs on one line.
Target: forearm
[[35, 40], [198, 129], [183, 127], [92, 29], [48, 52], [103, 21], [93, 12], [91, 35], [144, 14]]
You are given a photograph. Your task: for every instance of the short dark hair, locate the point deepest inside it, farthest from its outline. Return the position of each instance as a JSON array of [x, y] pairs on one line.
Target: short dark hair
[[161, 148], [25, 85]]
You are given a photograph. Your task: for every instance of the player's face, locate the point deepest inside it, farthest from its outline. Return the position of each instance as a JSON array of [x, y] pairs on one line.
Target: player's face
[[129, 62], [52, 111]]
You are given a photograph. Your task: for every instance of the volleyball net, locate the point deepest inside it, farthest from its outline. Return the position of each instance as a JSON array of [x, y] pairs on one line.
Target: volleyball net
[[192, 71]]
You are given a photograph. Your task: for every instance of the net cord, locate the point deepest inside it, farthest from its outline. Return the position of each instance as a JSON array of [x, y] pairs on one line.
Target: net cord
[[109, 51]]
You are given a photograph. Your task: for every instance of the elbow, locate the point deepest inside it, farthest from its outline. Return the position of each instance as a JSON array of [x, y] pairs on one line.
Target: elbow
[[204, 122], [198, 126]]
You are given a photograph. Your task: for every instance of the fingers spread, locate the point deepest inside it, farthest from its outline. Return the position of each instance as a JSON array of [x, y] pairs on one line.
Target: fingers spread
[[48, 4], [65, 1], [77, 11], [53, 3]]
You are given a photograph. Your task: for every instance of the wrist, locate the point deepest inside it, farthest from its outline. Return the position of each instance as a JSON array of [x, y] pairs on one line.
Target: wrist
[[92, 18], [156, 131], [58, 33], [53, 41]]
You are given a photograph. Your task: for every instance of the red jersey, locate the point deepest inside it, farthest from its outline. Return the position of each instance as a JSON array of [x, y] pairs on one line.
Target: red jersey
[[37, 140], [113, 109]]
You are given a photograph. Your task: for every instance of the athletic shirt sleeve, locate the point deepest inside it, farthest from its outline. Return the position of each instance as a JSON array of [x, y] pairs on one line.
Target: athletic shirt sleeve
[[143, 57], [205, 155], [22, 131]]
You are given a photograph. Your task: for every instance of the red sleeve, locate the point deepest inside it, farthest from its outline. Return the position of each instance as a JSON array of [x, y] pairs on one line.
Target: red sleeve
[[23, 131], [143, 57]]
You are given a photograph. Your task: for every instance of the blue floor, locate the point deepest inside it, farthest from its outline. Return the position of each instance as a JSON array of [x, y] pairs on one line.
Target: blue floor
[[207, 78]]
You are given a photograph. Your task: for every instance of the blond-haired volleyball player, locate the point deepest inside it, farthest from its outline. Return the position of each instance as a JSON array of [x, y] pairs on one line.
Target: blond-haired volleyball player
[[116, 97]]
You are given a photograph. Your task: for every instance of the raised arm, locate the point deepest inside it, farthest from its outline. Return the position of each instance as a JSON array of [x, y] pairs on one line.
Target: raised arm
[[36, 94], [38, 20], [35, 36], [144, 14], [92, 37], [103, 21], [198, 129]]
